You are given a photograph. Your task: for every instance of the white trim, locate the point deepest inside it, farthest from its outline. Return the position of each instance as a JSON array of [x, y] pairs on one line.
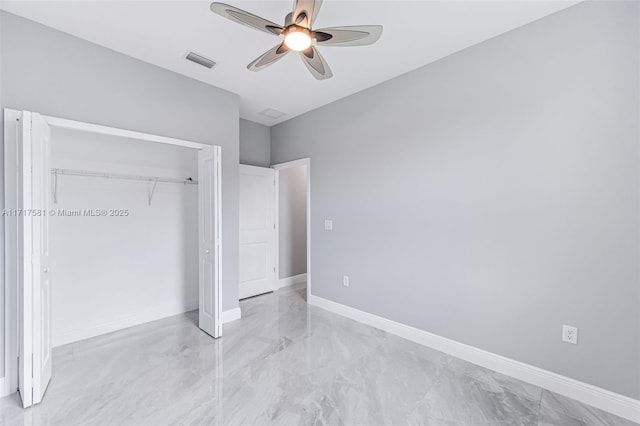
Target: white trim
[[276, 191], [231, 315], [97, 328], [289, 281], [24, 284], [218, 151], [308, 227], [112, 131], [9, 383], [290, 164], [276, 228], [287, 165], [603, 399]]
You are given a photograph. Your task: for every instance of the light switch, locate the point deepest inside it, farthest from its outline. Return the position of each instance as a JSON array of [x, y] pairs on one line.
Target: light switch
[[328, 225]]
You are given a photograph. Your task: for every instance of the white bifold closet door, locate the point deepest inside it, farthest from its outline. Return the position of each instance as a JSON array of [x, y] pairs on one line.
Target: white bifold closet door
[[35, 358], [209, 241], [257, 231], [29, 170]]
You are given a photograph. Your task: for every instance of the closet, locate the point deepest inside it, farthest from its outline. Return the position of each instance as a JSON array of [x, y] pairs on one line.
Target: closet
[[106, 228], [136, 263]]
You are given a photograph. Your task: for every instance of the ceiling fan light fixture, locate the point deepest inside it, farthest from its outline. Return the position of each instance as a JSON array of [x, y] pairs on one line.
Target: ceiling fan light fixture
[[297, 38]]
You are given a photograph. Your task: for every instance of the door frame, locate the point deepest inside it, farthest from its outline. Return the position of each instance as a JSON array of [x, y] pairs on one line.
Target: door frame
[[9, 383], [283, 166]]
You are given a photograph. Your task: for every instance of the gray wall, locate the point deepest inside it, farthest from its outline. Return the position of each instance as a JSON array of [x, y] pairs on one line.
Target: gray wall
[[492, 196], [255, 144], [292, 211], [53, 73]]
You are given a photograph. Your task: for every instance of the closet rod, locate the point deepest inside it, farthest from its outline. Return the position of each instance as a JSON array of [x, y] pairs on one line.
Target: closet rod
[[70, 172]]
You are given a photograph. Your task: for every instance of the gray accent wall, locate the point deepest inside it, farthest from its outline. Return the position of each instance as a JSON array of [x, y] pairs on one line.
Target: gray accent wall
[[53, 73], [255, 144], [292, 214], [493, 196]]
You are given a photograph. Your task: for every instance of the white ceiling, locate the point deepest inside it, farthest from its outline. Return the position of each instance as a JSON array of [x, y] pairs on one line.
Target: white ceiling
[[162, 32]]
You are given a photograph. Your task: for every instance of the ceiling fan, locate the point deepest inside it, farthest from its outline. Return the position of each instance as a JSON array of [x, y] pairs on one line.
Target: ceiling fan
[[299, 35]]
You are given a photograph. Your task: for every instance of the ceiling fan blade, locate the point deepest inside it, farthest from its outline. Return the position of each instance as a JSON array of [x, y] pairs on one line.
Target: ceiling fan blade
[[361, 35], [316, 63], [245, 18], [316, 10], [269, 57], [305, 12]]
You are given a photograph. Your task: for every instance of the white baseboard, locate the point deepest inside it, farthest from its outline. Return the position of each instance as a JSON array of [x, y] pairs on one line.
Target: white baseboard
[[603, 399], [296, 279], [96, 328], [231, 315]]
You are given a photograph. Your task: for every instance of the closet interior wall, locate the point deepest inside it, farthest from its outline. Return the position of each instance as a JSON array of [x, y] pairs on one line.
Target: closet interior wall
[[140, 261]]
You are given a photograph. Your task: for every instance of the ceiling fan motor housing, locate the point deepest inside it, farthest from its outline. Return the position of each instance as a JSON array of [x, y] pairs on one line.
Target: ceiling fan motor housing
[[293, 28]]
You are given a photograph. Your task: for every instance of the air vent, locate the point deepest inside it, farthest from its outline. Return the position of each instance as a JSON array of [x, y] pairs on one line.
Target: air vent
[[200, 60], [272, 113]]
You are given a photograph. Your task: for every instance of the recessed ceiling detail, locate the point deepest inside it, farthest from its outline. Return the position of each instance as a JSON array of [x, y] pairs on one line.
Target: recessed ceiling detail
[[272, 113], [445, 27]]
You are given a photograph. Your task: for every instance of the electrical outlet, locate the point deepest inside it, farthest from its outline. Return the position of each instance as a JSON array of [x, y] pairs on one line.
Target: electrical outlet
[[345, 280], [570, 334], [328, 225]]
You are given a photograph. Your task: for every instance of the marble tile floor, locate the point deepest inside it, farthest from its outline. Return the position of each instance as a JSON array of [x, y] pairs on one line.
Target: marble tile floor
[[283, 363]]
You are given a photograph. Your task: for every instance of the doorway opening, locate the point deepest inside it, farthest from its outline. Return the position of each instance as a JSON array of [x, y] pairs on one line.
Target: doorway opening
[[293, 224]]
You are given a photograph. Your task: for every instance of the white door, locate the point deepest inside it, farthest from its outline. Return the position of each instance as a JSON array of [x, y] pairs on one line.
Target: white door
[[35, 365], [210, 301], [257, 231]]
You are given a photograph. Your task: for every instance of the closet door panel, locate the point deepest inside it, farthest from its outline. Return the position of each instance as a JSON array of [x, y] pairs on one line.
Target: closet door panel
[[209, 240], [41, 183], [35, 365]]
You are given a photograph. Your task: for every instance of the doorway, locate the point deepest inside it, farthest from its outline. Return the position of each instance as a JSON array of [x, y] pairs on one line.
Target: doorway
[[293, 236], [31, 186]]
